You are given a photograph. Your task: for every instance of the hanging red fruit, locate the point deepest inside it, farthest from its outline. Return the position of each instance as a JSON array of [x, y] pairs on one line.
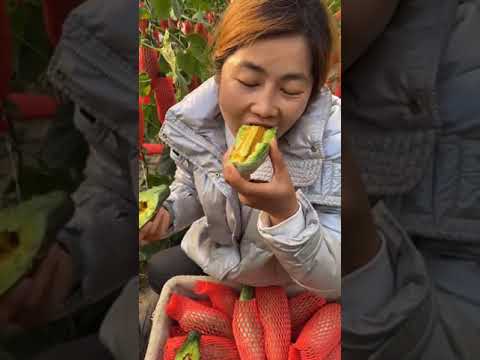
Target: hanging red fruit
[[187, 27]]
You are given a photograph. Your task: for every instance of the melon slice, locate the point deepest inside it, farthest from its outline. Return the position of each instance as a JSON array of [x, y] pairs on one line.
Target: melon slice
[[149, 202], [24, 229], [252, 145]]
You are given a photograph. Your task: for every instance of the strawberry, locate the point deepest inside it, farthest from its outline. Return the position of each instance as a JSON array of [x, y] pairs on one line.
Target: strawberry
[[201, 30], [143, 25], [187, 27], [164, 25]]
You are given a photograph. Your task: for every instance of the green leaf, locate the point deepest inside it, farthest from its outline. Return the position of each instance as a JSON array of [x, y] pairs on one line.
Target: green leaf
[[201, 5], [144, 84], [156, 180], [181, 85], [188, 63], [168, 53], [198, 18], [152, 125], [163, 65], [177, 8], [161, 8], [197, 45]]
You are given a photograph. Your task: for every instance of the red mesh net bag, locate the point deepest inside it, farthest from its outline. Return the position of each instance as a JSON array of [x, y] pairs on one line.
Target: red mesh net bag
[[176, 330], [336, 354], [293, 354], [247, 328], [164, 95], [321, 334], [148, 61], [302, 307], [211, 348], [272, 303], [205, 302], [222, 297], [192, 315]]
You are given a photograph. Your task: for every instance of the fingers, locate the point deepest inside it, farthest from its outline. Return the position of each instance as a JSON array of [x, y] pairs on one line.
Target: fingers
[[278, 164], [235, 180], [42, 279], [159, 228], [156, 228], [34, 299], [144, 231], [227, 155], [63, 281], [11, 303]]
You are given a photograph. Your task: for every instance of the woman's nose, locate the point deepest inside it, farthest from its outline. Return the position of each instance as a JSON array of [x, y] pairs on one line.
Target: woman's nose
[[265, 105]]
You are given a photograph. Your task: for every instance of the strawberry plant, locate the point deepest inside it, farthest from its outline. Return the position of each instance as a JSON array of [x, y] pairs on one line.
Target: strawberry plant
[[174, 59], [174, 43]]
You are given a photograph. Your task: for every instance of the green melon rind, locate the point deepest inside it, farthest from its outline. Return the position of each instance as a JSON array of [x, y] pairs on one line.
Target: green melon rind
[[261, 152], [190, 348], [155, 196], [30, 220]]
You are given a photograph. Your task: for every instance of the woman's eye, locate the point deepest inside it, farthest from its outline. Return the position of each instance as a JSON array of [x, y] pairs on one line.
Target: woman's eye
[[247, 84], [292, 93]]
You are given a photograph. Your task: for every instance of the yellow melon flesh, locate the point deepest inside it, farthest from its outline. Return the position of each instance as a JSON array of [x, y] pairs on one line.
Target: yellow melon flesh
[[251, 138]]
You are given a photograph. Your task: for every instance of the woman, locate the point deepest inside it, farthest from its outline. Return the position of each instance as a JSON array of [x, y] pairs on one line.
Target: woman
[[286, 230]]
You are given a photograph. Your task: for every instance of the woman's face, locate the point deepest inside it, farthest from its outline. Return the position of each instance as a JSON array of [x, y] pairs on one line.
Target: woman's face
[[268, 83]]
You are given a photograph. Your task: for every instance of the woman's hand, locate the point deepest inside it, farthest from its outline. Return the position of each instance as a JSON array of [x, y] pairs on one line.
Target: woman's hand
[[155, 229], [35, 299], [277, 198]]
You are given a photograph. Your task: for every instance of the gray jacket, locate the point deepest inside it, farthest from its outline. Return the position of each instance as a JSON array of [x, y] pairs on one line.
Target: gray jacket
[[217, 240], [410, 105], [95, 66]]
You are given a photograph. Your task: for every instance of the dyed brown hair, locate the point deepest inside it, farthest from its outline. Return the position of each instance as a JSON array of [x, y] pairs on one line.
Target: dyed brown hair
[[245, 21]]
